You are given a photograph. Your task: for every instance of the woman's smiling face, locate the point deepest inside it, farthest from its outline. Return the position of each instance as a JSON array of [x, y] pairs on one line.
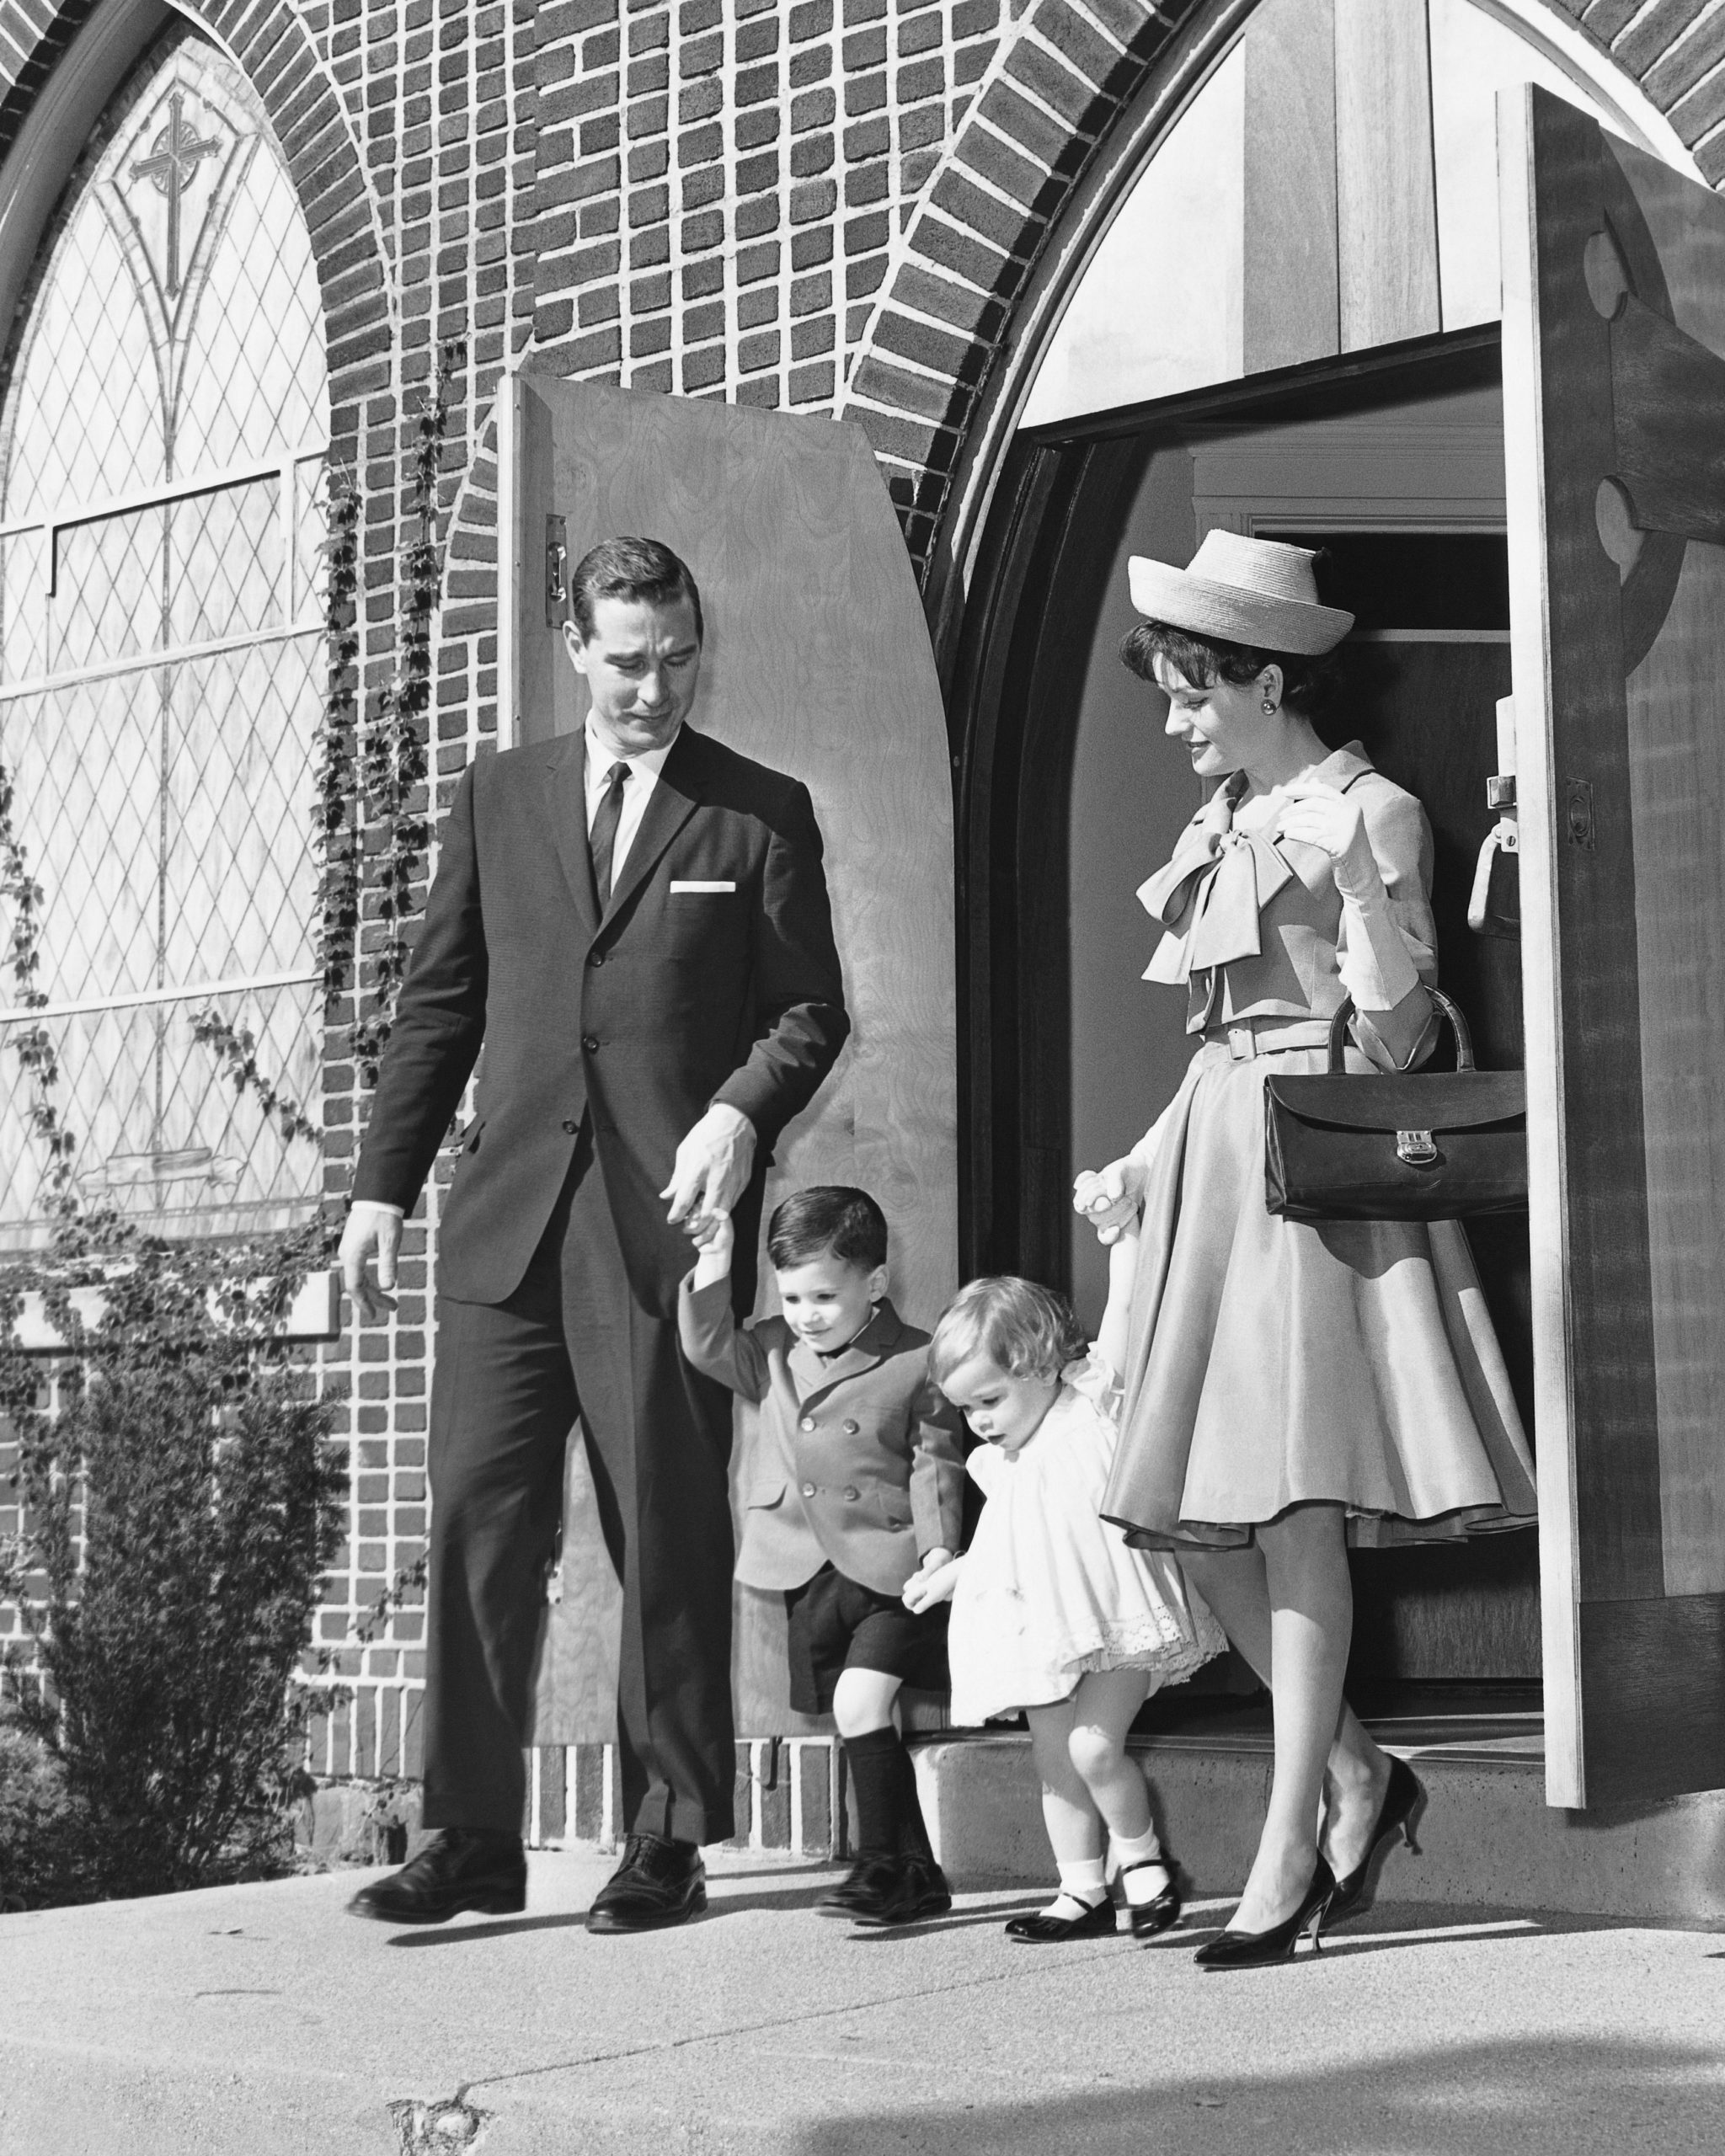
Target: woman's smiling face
[[1222, 725]]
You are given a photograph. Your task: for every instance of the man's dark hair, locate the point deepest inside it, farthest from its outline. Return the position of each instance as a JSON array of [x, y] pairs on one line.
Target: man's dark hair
[[829, 1217], [630, 568]]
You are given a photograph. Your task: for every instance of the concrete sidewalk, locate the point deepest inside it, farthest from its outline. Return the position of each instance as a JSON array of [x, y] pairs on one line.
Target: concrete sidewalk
[[260, 2022]]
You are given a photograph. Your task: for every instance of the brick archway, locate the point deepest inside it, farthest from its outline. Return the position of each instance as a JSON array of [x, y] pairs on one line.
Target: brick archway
[[1077, 85]]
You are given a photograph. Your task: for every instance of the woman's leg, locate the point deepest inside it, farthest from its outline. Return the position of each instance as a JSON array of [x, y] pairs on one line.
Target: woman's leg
[[1075, 1827], [1358, 1773], [1304, 1571]]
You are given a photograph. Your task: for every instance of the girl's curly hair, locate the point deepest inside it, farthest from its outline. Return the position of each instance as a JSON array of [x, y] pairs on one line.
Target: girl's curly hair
[[1023, 1328]]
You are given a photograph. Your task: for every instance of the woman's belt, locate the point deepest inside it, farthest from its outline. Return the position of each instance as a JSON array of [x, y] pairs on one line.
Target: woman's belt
[[1247, 1038]]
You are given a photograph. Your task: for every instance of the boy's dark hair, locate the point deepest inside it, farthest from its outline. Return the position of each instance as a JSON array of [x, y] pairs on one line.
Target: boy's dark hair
[[630, 568], [831, 1217]]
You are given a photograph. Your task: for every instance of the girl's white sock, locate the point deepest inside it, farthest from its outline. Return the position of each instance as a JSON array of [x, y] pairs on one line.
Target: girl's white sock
[[1081, 1882], [1144, 1849]]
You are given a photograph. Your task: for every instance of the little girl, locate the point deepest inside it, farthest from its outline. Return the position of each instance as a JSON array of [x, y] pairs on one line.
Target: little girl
[[1051, 1611]]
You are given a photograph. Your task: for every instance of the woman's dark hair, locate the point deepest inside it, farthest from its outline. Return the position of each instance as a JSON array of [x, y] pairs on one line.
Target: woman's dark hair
[[1308, 684], [831, 1217]]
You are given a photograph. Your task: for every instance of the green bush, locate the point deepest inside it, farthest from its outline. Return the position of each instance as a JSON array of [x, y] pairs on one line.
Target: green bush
[[40, 1844], [180, 1505]]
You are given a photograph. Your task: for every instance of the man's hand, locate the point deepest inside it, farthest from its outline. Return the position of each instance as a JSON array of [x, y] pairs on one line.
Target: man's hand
[[371, 1228], [932, 1582], [1109, 1197], [711, 1170]]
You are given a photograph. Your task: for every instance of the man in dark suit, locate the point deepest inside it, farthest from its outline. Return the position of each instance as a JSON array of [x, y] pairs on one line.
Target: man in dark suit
[[633, 922]]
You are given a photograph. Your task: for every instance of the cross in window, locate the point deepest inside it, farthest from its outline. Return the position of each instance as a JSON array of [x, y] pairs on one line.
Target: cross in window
[[172, 163]]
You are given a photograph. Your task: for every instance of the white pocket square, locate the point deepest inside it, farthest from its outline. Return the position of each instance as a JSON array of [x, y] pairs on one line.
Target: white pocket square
[[676, 885]]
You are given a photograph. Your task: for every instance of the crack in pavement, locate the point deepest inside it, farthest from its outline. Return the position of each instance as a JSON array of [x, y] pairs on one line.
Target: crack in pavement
[[779, 2021]]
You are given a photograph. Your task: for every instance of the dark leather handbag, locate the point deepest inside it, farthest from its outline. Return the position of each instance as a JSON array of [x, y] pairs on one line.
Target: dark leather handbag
[[1418, 1145]]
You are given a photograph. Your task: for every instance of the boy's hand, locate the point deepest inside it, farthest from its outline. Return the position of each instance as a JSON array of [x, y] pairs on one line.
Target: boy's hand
[[932, 1582], [714, 1238]]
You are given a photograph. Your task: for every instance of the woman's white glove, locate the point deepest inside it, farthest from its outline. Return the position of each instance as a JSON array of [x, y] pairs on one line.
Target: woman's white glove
[[1375, 967], [1109, 1197], [1317, 815]]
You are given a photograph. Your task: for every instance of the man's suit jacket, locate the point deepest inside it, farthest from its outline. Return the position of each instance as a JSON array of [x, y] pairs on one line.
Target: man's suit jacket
[[711, 975], [861, 1466]]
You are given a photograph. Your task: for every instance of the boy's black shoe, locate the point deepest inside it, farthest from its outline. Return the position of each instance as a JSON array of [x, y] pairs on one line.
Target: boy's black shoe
[[659, 1883], [865, 1884], [920, 1890], [463, 1868]]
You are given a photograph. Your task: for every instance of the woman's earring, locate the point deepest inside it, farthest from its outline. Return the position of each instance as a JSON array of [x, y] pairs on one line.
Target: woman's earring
[[1269, 707]]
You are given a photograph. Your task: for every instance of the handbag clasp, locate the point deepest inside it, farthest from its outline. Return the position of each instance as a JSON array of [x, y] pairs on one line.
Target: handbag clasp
[[1416, 1148]]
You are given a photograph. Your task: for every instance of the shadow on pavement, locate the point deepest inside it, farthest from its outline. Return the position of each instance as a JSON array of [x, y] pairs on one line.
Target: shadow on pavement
[[1570, 2096]]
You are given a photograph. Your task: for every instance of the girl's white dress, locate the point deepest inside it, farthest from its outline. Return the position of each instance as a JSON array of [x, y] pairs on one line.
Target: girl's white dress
[[1048, 1591]]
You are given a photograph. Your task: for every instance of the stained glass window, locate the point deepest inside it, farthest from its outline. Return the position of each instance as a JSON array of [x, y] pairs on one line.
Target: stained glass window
[[163, 442]]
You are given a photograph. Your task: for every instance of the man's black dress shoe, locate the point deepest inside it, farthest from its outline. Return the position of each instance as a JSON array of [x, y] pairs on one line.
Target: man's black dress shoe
[[658, 1883], [464, 1868], [918, 1890], [865, 1886]]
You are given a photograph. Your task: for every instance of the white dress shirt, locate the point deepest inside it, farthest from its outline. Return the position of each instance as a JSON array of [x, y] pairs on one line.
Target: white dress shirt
[[643, 777]]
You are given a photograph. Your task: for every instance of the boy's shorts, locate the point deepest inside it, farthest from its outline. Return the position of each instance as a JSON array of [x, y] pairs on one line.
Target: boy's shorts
[[837, 1623]]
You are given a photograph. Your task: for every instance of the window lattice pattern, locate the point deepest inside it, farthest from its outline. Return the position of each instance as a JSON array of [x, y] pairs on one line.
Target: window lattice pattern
[[162, 457]]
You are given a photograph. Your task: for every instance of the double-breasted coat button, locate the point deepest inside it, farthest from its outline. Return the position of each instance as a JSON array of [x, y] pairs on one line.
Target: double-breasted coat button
[[590, 1042], [807, 1422], [808, 1489], [595, 958], [851, 1428], [570, 1125], [854, 1495]]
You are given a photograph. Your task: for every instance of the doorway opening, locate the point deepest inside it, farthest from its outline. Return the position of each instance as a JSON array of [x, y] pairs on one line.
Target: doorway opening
[[1392, 462]]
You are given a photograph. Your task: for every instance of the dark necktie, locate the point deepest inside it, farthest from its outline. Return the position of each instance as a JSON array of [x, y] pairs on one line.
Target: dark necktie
[[602, 841]]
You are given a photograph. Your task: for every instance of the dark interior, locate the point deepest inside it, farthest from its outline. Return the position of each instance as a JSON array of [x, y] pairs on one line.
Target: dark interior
[[1432, 1621]]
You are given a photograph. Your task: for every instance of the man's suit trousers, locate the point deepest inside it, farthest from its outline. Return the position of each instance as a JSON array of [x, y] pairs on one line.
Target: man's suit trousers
[[511, 1379]]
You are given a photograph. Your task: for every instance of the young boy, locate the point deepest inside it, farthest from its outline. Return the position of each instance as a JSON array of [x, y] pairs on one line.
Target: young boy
[[861, 1485]]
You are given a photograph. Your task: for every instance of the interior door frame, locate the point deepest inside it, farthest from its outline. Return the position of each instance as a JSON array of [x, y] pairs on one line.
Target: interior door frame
[[1053, 526]]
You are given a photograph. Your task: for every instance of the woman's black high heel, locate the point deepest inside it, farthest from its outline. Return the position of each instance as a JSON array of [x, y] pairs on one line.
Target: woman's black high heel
[[1404, 1799], [1250, 1950], [1151, 1918]]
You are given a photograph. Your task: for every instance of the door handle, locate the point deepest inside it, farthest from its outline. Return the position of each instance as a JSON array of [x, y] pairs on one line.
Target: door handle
[[556, 558]]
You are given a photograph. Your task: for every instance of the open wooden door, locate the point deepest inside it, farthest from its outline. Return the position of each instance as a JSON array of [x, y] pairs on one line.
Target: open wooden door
[[1614, 326], [817, 662]]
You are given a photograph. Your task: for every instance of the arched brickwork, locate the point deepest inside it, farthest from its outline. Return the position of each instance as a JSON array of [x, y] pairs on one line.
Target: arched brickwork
[[954, 302], [311, 124]]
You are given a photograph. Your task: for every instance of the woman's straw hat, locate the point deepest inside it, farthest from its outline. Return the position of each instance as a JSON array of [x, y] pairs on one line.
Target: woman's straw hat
[[1241, 590]]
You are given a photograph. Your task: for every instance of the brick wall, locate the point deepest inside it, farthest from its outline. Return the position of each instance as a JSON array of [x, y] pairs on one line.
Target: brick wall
[[818, 205]]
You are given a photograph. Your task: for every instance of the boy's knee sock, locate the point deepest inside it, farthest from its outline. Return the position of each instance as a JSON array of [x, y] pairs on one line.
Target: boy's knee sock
[[889, 1814]]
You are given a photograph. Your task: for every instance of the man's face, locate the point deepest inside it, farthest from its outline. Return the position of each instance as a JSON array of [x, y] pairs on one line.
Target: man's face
[[641, 663]]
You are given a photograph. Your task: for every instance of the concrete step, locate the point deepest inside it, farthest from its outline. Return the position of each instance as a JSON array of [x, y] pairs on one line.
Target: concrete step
[[1487, 1838]]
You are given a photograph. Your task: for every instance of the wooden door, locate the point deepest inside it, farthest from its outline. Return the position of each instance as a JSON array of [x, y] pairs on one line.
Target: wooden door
[[1614, 299], [817, 662]]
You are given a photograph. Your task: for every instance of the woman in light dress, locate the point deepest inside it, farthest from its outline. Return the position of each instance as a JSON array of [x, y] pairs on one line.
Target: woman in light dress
[[1289, 1386]]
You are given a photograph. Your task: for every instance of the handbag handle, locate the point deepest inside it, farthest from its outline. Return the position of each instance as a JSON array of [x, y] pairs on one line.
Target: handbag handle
[[1446, 1009]]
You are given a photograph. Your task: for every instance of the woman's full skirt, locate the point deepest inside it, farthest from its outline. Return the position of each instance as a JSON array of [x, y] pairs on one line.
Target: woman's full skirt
[[1274, 1363]]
